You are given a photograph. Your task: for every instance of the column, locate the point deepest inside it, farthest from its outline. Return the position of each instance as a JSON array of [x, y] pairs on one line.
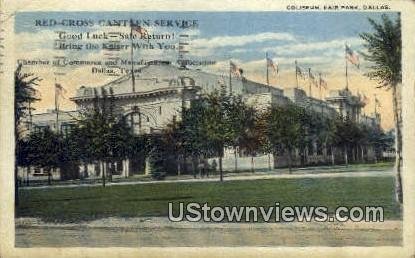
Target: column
[[126, 168]]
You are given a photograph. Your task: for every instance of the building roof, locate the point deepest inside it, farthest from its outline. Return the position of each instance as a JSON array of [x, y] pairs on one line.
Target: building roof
[[164, 75]]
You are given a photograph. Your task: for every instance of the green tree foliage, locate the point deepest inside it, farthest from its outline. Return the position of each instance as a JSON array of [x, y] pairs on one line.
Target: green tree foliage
[[347, 135], [187, 138], [384, 52], [217, 121], [44, 150], [101, 136], [212, 123], [250, 132], [244, 131], [285, 129], [24, 96]]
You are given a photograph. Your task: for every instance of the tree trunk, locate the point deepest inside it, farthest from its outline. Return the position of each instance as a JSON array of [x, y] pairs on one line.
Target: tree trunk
[[110, 170], [49, 176], [85, 170], [185, 167], [332, 156], [27, 175], [398, 144], [346, 160], [353, 158], [236, 159], [289, 161], [269, 162], [398, 183], [303, 158], [353, 154], [102, 167], [194, 167], [363, 154], [220, 168], [252, 164], [179, 165], [356, 154], [199, 167]]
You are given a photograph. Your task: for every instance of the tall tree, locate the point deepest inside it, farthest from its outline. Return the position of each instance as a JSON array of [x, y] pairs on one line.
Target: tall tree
[[250, 136], [384, 52], [264, 144], [97, 125], [216, 124], [242, 123], [237, 124], [346, 136], [43, 150], [192, 132], [284, 129], [24, 96], [173, 141], [326, 135]]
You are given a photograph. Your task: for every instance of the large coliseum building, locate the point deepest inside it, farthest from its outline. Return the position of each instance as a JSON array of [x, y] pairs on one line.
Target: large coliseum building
[[161, 89]]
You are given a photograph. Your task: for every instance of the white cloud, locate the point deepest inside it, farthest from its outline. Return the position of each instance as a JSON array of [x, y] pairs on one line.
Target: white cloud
[[226, 41], [328, 46]]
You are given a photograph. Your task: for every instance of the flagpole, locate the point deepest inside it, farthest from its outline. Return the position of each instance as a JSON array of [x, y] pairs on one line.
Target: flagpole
[[230, 78], [319, 87], [321, 95], [266, 62], [296, 73], [30, 116], [132, 55], [309, 82], [276, 75], [347, 79], [56, 107]]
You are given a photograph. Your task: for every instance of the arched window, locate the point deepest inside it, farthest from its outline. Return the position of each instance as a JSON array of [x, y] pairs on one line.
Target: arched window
[[187, 81]]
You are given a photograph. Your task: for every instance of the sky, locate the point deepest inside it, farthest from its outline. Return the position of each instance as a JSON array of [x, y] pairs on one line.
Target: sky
[[314, 39]]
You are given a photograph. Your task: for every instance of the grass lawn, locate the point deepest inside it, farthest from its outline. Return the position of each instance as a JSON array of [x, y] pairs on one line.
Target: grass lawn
[[87, 203]]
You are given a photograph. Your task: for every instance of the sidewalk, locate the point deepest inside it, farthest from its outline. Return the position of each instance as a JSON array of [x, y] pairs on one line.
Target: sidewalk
[[303, 173]]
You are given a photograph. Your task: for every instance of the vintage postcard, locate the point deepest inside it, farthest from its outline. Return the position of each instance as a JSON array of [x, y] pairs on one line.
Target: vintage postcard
[[188, 128]]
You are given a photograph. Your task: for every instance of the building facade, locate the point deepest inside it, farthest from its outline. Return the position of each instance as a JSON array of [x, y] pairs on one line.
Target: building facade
[[161, 90]]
